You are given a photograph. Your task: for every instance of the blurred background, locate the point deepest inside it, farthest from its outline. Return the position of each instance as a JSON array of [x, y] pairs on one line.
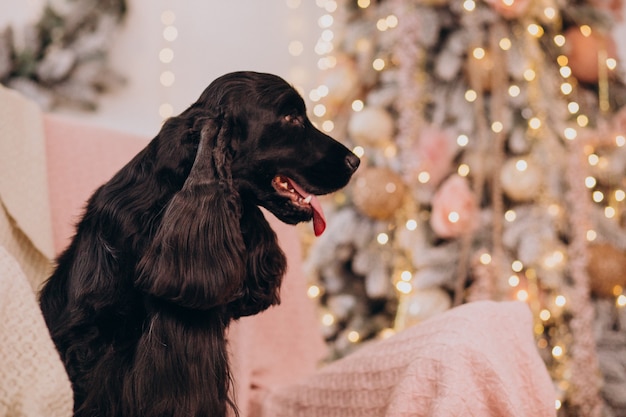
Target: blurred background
[[492, 135]]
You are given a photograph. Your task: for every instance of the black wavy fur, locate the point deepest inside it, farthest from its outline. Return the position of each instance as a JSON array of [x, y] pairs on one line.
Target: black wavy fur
[[174, 247]]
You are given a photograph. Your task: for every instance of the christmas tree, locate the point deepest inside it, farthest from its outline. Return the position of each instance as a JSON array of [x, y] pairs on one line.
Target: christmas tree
[[493, 143]]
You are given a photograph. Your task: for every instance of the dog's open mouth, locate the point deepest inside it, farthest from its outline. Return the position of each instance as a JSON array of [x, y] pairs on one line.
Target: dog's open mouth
[[300, 198]]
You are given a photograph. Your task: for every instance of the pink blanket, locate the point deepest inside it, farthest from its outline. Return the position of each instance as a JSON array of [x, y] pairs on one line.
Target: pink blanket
[[476, 360]]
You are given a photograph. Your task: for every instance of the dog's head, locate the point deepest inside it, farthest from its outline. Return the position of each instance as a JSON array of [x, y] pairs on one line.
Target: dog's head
[[279, 158], [247, 141]]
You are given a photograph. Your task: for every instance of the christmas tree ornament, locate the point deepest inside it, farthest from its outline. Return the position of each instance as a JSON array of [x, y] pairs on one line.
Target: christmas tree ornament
[[584, 48], [378, 192], [372, 126], [429, 158], [521, 179], [342, 82], [421, 304], [606, 268], [455, 210]]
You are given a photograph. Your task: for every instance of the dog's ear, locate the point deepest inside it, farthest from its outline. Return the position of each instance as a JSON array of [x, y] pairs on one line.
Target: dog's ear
[[266, 265], [197, 256]]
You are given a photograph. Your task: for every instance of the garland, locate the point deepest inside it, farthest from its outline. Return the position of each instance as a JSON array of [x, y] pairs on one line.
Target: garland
[[62, 59]]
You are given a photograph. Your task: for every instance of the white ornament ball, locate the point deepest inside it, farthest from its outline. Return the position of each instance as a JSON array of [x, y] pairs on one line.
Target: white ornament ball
[[423, 304], [521, 179], [342, 81], [372, 126]]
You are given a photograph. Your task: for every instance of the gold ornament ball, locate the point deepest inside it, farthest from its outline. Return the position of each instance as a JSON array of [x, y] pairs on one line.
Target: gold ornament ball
[[521, 179], [371, 126], [421, 305], [606, 268], [378, 192]]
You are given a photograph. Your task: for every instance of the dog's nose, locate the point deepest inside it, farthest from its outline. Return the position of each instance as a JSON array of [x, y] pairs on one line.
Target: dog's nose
[[352, 161]]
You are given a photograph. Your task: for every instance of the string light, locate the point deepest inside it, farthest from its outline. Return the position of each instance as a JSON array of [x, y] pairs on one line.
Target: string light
[[510, 216], [166, 56], [313, 291], [471, 95], [358, 151], [411, 224], [404, 287], [517, 266]]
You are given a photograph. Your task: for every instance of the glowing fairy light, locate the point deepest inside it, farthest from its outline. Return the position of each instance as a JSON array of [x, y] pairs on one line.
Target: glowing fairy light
[[478, 53], [411, 224], [514, 91], [521, 165], [535, 30], [404, 287], [570, 133], [423, 177], [513, 281], [529, 74], [522, 295], [590, 182], [328, 126], [573, 107], [382, 238], [485, 258], [462, 140], [598, 196], [591, 235], [463, 170], [358, 151], [566, 88], [565, 71], [505, 44], [354, 336], [549, 12], [534, 123], [560, 300], [319, 110], [313, 291], [469, 5], [557, 351], [471, 95], [585, 30], [559, 40], [328, 319], [325, 21], [454, 217], [517, 266], [358, 105], [510, 216]]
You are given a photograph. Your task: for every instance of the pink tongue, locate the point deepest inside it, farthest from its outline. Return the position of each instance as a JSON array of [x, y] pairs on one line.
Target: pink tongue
[[319, 221]]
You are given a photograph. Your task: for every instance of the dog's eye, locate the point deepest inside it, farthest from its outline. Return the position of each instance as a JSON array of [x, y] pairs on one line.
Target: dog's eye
[[292, 119]]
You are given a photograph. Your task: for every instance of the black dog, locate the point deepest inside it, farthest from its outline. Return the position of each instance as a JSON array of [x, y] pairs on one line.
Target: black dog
[[174, 247]]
